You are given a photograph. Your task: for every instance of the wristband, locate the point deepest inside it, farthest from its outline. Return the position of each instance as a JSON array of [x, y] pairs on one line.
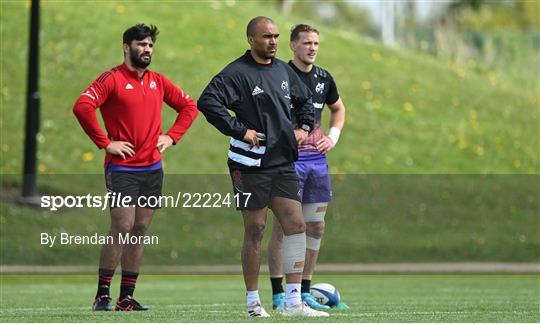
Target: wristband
[[333, 134]]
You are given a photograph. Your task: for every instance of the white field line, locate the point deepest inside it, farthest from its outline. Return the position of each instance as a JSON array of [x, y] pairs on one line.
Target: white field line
[[442, 267]]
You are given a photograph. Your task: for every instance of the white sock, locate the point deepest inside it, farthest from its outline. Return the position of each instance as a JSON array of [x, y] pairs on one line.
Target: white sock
[[292, 295], [252, 296]]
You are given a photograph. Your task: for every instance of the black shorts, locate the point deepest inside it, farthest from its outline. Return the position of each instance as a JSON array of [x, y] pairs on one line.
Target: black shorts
[[255, 188], [144, 184]]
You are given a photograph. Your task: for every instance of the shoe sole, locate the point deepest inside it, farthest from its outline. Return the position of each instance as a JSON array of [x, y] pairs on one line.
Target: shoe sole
[[104, 309], [131, 310], [305, 315]]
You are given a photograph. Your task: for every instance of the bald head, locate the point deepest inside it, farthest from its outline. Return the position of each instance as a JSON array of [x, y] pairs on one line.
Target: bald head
[[262, 36], [253, 23]]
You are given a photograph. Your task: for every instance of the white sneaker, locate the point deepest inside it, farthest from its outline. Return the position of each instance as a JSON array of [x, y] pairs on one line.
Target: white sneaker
[[256, 310], [303, 309]]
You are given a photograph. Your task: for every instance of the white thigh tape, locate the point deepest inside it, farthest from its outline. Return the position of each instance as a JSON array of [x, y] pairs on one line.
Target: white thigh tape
[[314, 212], [313, 243], [294, 252]]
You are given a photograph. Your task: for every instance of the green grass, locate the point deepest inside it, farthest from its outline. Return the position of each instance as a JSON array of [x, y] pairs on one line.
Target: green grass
[[376, 218], [407, 111], [220, 298]]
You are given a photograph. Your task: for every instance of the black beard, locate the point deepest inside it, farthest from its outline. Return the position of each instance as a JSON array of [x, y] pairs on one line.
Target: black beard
[[137, 61], [264, 55]]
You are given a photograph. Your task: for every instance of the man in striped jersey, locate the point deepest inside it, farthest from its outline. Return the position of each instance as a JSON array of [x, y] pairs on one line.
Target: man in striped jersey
[[261, 90]]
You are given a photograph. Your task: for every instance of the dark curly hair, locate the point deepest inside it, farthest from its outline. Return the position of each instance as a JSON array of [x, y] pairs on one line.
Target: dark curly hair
[[140, 32]]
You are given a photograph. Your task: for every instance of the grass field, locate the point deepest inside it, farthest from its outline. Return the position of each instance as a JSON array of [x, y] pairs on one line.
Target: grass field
[[376, 218], [220, 298], [408, 112]]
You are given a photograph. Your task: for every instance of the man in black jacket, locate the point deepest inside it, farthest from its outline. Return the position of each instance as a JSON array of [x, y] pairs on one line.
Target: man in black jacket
[[264, 93]]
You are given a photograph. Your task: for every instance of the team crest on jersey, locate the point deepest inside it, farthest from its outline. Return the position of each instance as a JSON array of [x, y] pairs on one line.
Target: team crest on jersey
[[285, 85], [319, 88], [153, 85]]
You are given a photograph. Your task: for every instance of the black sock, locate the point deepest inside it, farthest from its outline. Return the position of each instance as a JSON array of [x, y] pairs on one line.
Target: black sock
[[276, 285], [306, 285], [104, 282], [127, 287]]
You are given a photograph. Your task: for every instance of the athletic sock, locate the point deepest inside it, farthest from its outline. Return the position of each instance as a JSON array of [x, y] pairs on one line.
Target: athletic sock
[[252, 296], [127, 287], [306, 285], [277, 286], [292, 295], [104, 282]]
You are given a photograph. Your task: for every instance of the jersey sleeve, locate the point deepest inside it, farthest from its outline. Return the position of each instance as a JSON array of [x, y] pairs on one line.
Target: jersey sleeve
[[219, 96], [332, 96], [87, 103], [183, 104], [303, 109]]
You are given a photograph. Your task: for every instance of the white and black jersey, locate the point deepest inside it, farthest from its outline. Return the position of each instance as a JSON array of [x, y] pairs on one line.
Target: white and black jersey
[[261, 96]]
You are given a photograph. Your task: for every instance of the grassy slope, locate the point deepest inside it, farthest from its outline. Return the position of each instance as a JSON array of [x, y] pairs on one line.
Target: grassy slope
[[407, 113], [389, 298], [372, 219]]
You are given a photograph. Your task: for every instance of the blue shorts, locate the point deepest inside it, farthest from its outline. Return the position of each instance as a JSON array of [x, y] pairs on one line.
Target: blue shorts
[[314, 178]]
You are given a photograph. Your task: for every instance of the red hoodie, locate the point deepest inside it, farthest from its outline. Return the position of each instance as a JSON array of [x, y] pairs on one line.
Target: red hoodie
[[131, 110]]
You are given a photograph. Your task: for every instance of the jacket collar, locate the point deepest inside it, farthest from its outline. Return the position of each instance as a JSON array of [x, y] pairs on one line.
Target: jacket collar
[[132, 73], [252, 60]]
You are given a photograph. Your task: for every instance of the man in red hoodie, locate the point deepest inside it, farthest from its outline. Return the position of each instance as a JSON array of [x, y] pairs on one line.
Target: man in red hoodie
[[130, 97]]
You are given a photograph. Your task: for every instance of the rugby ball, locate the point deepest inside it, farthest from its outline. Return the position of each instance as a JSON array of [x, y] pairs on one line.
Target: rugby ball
[[325, 294]]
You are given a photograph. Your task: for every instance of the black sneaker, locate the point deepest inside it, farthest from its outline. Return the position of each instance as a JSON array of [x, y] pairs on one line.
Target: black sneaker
[[102, 303], [128, 304]]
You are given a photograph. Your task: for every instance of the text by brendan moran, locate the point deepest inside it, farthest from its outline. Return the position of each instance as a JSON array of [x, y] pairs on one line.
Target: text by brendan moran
[[95, 239]]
